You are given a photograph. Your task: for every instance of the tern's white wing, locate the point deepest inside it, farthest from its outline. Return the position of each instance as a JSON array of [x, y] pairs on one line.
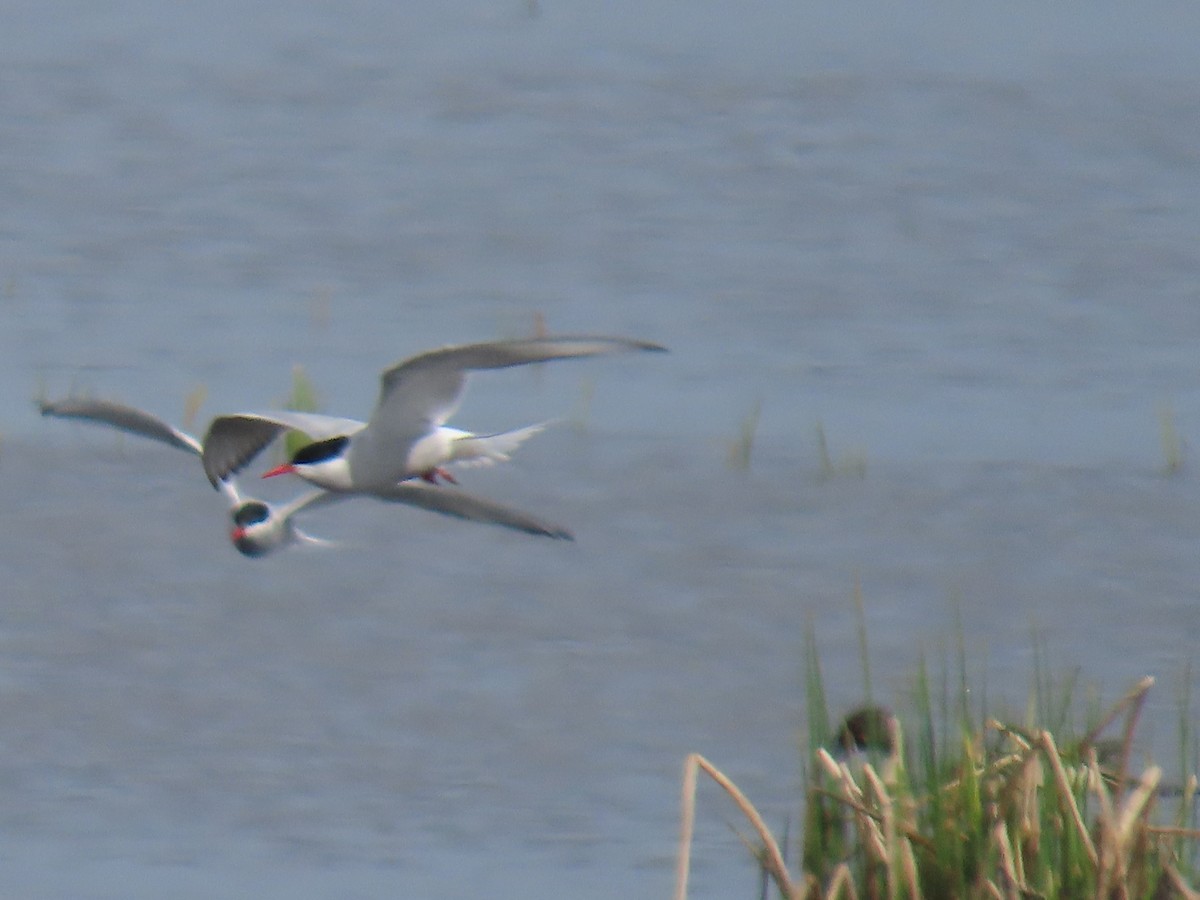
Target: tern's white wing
[[122, 417], [424, 390], [228, 487], [453, 502], [233, 440]]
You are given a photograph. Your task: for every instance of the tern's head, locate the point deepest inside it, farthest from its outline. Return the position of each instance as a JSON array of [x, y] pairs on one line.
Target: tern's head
[[322, 462], [252, 529]]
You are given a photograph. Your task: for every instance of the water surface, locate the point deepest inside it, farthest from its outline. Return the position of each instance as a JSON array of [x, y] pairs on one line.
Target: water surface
[[969, 255]]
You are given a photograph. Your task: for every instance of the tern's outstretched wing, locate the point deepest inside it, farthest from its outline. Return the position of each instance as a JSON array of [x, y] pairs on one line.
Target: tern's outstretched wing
[[134, 421], [139, 422], [122, 417], [424, 390], [233, 440], [453, 502]]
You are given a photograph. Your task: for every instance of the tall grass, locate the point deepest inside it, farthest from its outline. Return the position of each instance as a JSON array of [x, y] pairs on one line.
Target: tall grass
[[962, 805], [301, 398]]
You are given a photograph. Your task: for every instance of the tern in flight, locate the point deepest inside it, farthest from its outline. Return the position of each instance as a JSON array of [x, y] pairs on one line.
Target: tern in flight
[[406, 436], [261, 528]]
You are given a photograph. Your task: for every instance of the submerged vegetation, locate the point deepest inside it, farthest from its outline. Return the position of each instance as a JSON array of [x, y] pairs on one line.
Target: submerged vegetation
[[741, 448], [964, 805], [583, 406], [192, 404], [1173, 447], [853, 463]]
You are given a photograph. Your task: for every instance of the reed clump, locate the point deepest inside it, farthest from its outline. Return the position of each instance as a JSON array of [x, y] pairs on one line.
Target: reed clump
[[998, 811]]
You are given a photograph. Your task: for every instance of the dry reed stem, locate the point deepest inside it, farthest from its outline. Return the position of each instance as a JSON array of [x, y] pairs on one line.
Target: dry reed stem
[[1007, 864], [887, 813], [1137, 804], [1179, 884], [834, 771], [687, 823], [1031, 779], [828, 763], [772, 858], [1174, 831], [880, 832], [869, 827], [841, 880], [1122, 829], [1137, 700], [1134, 700], [1134, 694], [1065, 795], [1132, 835], [1013, 734], [1019, 793], [1109, 864], [809, 886], [908, 860]]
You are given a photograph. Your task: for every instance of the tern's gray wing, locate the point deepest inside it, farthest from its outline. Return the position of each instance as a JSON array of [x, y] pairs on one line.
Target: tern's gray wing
[[453, 502], [233, 440], [134, 421], [122, 417], [424, 390]]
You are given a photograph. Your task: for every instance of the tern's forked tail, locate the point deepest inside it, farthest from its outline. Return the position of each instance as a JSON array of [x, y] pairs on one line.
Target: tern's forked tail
[[486, 449]]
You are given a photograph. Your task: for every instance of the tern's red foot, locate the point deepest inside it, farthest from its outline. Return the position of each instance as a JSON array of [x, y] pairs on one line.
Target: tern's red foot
[[433, 475]]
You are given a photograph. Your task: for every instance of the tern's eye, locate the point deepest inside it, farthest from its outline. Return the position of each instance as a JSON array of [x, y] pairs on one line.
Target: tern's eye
[[319, 451], [251, 513]]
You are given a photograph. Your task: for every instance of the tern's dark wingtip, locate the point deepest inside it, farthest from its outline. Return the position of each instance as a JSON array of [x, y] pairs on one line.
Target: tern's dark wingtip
[[639, 345]]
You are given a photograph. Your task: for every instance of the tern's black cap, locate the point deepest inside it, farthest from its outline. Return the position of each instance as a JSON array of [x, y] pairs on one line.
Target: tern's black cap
[[319, 451], [252, 512]]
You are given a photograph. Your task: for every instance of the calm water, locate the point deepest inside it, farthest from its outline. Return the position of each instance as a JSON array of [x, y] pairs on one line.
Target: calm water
[[967, 249]]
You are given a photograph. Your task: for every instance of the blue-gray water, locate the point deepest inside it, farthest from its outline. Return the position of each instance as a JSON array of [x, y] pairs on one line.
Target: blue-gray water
[[965, 242]]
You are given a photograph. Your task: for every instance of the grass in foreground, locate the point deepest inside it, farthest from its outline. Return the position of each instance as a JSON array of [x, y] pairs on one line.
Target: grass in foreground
[[994, 811]]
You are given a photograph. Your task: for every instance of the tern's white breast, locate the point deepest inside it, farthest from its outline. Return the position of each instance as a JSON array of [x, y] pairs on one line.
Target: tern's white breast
[[433, 450]]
